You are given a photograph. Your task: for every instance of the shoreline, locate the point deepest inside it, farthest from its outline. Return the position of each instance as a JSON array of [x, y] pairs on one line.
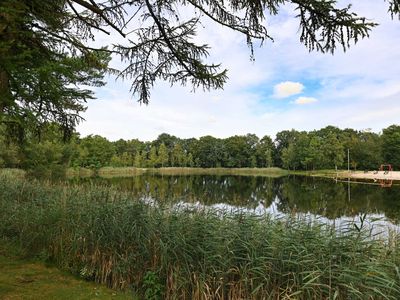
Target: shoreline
[[374, 175], [270, 172], [132, 171]]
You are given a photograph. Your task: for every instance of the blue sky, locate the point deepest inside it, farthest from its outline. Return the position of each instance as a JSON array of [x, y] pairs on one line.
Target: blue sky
[[286, 87]]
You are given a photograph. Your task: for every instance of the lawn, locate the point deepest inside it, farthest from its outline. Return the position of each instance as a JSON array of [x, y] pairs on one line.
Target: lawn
[[28, 279]]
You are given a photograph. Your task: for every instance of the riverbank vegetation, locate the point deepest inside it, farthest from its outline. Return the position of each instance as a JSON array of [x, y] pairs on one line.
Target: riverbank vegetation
[[132, 171], [49, 153], [106, 235]]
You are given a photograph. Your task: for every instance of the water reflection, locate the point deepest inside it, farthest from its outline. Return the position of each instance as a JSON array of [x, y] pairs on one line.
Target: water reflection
[[286, 195]]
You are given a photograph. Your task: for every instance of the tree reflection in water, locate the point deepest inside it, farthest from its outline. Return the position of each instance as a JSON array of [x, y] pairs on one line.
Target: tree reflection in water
[[290, 194]]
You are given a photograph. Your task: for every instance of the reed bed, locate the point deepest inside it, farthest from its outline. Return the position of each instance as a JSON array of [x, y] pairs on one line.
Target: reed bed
[[79, 172], [120, 171], [132, 171], [106, 236], [269, 172]]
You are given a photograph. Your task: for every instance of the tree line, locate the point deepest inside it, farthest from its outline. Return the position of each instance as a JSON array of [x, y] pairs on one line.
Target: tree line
[[326, 148]]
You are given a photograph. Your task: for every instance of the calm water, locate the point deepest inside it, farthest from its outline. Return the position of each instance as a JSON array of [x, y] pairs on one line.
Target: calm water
[[316, 197]]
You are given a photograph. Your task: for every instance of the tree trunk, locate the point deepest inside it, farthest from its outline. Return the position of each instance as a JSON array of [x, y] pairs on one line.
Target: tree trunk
[[5, 93], [4, 90]]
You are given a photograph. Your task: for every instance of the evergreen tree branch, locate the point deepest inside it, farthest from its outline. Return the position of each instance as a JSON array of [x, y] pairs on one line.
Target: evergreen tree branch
[[95, 8]]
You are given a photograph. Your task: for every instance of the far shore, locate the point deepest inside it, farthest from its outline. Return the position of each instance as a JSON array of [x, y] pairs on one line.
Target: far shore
[[344, 174], [268, 172], [372, 175], [132, 171]]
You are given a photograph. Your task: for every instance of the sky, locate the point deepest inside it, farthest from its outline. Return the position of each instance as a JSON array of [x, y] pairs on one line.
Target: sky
[[285, 87]]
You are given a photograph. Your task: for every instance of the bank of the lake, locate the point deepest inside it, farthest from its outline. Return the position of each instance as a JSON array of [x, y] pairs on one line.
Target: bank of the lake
[[132, 171], [105, 235], [273, 172], [269, 172], [373, 175], [344, 174]]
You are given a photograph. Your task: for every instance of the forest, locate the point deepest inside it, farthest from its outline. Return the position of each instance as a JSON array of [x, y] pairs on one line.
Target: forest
[[326, 148]]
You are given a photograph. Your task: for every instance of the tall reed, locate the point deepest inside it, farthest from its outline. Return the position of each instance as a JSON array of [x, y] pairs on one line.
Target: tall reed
[[107, 236], [132, 171]]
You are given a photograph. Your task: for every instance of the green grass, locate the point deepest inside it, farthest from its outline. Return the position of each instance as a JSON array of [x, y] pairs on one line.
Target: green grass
[[81, 172], [270, 172], [330, 173], [28, 279], [120, 172], [132, 171], [12, 173], [105, 235]]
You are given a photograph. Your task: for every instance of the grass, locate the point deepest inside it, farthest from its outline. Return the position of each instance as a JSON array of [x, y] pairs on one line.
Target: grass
[[12, 173], [104, 235], [28, 279], [132, 171], [79, 172], [108, 172], [270, 172], [330, 173], [120, 172]]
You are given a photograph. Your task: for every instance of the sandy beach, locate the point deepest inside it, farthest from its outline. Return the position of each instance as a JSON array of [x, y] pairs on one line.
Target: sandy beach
[[391, 175]]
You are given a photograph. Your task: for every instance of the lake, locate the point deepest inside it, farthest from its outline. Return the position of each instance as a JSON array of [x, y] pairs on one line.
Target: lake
[[322, 198]]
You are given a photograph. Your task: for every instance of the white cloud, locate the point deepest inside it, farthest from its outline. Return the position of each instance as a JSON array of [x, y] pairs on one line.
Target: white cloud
[[358, 89], [287, 88], [216, 98], [305, 100]]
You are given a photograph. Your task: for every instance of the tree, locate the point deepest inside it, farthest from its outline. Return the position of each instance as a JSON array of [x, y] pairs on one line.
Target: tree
[[144, 161], [43, 157], [282, 141], [45, 46], [178, 157], [39, 74], [123, 160], [96, 151], [313, 155], [189, 161], [368, 150], [288, 157], [236, 148], [350, 140], [163, 155], [241, 150], [153, 157], [138, 160], [134, 146], [391, 145], [209, 152], [10, 155], [264, 152], [332, 151], [168, 140], [300, 151], [120, 146]]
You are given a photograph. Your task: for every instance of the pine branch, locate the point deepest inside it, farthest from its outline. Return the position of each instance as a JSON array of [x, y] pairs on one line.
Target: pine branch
[[167, 40], [94, 8]]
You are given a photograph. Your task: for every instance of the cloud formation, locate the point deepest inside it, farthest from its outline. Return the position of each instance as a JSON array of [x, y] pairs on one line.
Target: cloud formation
[[357, 89], [287, 89], [305, 100]]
